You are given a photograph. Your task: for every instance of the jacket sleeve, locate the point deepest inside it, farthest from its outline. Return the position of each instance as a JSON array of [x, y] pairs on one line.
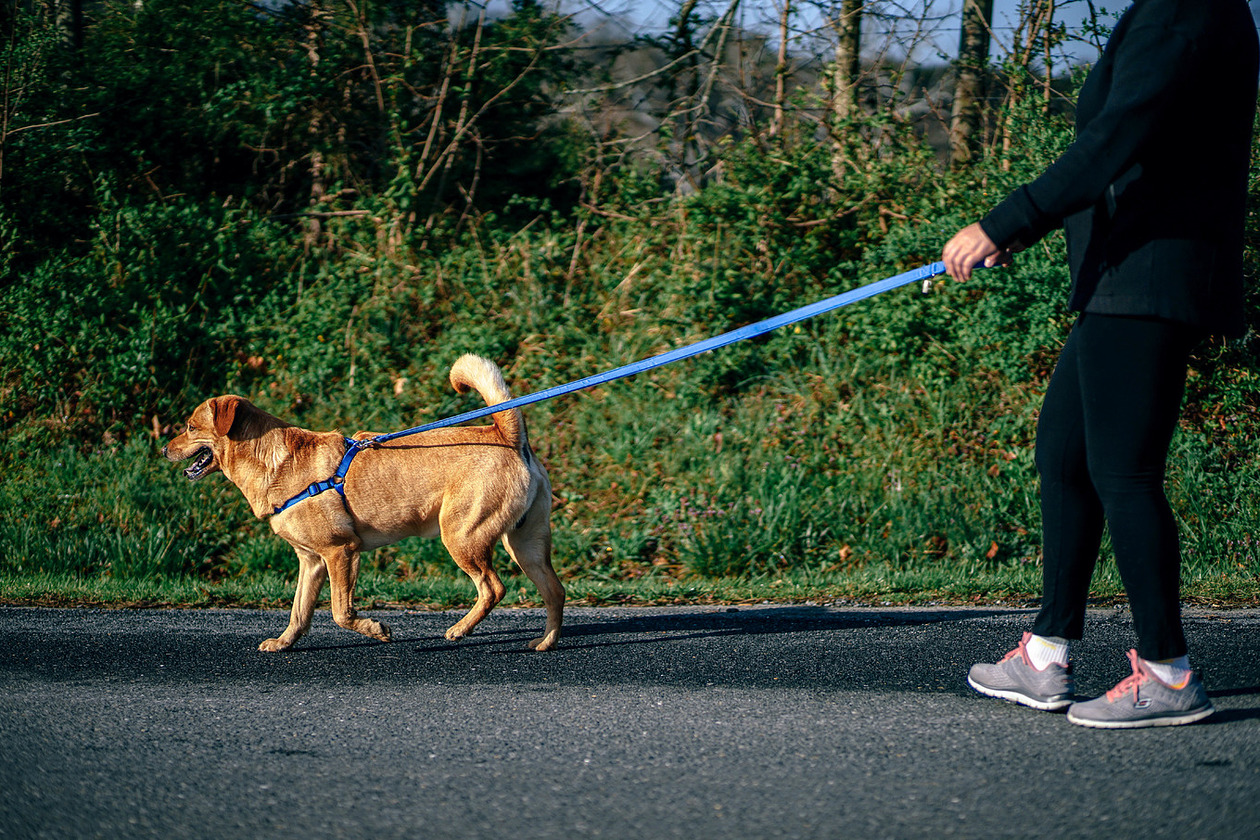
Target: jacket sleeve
[[1151, 64]]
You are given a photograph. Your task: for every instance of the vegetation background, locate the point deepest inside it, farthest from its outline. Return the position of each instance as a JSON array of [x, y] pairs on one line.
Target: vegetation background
[[321, 204]]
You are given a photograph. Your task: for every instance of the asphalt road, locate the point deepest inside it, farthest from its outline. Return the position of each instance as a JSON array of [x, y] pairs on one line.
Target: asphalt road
[[757, 722]]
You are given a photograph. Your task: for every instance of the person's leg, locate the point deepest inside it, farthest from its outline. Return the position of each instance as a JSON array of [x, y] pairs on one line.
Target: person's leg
[[1035, 673], [1132, 376], [1071, 512], [1102, 440]]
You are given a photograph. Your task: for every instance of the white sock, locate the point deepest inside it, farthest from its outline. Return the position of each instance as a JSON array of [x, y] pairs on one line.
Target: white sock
[[1043, 650], [1172, 672]]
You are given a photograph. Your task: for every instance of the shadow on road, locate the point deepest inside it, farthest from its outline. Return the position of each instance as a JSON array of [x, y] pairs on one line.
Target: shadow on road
[[722, 621], [1233, 716], [733, 621]]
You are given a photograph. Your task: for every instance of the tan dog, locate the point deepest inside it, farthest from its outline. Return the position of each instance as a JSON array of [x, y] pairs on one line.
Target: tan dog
[[471, 485]]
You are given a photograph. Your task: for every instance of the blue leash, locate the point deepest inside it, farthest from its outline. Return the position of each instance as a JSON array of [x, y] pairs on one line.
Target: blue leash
[[917, 275], [923, 274]]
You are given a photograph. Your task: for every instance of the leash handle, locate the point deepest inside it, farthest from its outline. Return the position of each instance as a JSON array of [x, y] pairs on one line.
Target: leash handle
[[923, 274]]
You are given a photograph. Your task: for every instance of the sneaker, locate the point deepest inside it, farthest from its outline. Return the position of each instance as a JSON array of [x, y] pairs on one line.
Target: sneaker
[[1015, 679], [1141, 699]]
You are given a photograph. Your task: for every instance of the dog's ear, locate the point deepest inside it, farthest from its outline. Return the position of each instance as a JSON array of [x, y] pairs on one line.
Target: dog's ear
[[224, 410]]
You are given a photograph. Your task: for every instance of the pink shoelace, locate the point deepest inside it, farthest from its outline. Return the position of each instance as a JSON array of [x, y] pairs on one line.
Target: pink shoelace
[[1021, 650], [1132, 682]]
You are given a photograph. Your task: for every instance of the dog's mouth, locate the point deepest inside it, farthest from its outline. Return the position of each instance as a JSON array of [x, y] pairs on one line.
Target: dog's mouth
[[203, 460]]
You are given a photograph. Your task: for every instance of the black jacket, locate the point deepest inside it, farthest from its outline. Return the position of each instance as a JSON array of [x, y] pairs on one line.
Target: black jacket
[[1152, 192]]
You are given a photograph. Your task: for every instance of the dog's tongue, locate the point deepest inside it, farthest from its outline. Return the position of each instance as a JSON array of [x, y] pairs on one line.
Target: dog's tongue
[[199, 464]]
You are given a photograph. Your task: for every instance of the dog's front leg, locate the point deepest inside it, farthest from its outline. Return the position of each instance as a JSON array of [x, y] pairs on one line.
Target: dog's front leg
[[311, 574], [343, 571]]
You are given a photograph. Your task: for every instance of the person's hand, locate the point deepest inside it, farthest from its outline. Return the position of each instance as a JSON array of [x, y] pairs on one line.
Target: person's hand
[[970, 247]]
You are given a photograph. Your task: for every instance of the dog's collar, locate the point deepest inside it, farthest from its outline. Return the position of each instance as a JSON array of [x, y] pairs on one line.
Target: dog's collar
[[336, 481]]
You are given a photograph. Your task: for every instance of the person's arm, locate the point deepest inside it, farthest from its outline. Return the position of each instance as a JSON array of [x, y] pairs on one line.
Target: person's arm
[[1151, 63]]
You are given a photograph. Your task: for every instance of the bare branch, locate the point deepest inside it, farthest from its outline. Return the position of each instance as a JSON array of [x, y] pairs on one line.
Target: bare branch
[[13, 131]]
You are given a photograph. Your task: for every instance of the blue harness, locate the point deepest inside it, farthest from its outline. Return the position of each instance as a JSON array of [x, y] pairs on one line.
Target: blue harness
[[334, 482]]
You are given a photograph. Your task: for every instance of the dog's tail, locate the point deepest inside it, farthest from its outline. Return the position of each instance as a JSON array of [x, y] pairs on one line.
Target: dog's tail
[[484, 377]]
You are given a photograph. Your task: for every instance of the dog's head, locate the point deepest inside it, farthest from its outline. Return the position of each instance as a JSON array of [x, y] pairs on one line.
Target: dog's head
[[207, 435]]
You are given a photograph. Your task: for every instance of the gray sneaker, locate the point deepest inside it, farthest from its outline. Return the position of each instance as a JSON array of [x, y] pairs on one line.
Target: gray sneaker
[[1015, 679], [1141, 699]]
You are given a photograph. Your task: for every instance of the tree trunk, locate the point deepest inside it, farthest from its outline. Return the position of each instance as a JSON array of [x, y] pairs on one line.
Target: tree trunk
[[848, 67], [684, 84], [969, 84], [780, 71], [315, 128], [1036, 27], [1048, 89], [67, 17]]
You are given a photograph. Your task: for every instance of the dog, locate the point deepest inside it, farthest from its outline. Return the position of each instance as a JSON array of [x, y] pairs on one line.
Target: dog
[[470, 485]]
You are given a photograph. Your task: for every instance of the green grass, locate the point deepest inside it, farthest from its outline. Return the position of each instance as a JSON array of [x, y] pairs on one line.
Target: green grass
[[442, 591], [867, 487], [876, 587]]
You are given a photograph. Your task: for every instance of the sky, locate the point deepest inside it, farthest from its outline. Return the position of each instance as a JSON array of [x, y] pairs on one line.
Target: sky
[[644, 17]]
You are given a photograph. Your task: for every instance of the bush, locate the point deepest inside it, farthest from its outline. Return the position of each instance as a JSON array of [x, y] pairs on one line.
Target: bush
[[893, 434]]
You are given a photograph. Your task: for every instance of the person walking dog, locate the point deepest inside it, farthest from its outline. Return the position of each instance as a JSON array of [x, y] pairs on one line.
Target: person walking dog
[[1151, 195]]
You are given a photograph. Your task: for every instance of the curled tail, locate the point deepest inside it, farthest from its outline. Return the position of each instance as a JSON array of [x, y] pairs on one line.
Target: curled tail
[[484, 377]]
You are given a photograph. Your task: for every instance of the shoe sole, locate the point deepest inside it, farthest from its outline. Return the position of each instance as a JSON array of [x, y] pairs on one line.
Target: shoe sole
[[1142, 723], [1049, 704]]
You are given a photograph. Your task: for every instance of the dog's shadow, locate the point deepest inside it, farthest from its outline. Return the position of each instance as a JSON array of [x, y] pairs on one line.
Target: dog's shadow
[[663, 628]]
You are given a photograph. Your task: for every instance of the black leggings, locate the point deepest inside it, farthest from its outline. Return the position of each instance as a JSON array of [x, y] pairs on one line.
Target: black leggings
[[1102, 444]]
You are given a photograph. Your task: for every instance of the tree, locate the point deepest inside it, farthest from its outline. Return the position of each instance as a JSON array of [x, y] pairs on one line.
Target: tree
[[781, 70], [969, 84], [1035, 37], [694, 70], [848, 68]]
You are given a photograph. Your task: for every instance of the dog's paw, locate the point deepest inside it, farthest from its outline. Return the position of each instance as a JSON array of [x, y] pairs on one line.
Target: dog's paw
[[455, 633], [274, 645], [381, 632], [544, 642]]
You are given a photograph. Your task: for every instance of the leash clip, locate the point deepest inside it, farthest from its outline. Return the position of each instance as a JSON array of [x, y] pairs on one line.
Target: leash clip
[[931, 271], [934, 270]]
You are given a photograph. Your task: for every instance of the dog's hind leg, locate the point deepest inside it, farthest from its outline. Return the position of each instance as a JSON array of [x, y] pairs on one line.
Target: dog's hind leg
[[477, 564], [343, 571], [311, 574], [530, 547]]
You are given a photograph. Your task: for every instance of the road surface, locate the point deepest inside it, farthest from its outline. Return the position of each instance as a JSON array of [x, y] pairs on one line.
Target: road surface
[[696, 722]]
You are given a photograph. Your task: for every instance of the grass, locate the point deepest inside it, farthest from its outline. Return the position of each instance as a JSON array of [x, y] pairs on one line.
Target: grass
[[768, 497], [443, 592], [848, 480], [937, 585]]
